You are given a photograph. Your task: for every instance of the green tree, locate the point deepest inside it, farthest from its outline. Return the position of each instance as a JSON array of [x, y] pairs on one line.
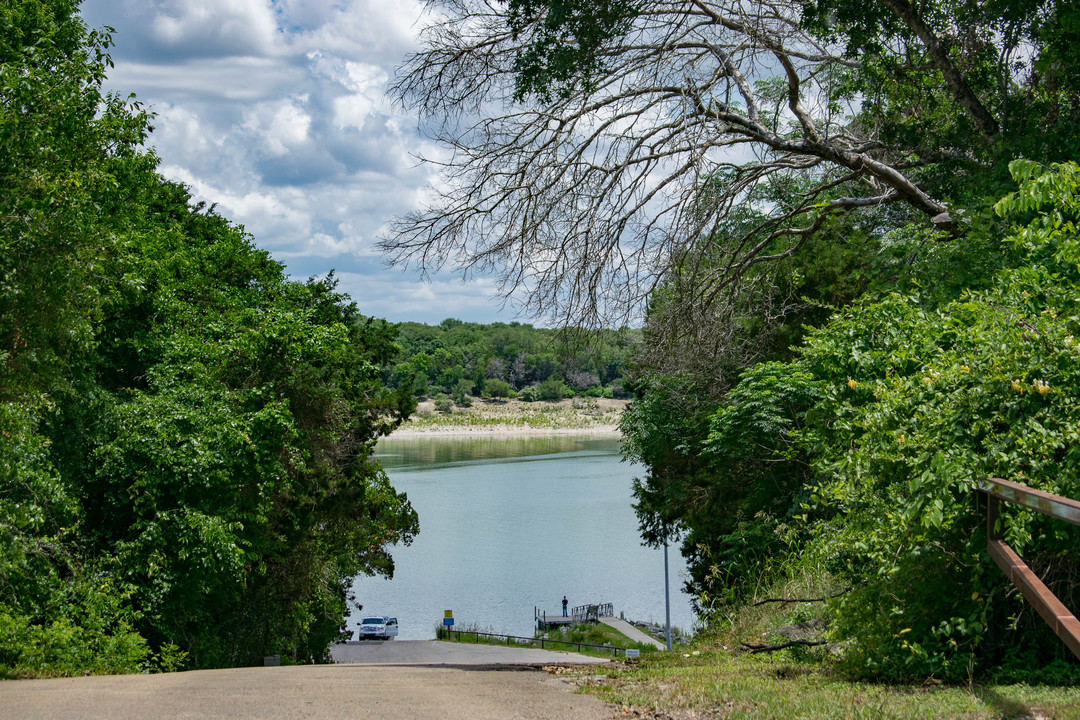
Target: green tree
[[497, 388], [185, 434], [875, 436], [60, 141]]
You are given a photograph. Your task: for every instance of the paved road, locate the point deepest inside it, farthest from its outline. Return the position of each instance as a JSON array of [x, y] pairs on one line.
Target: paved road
[[465, 690], [431, 652]]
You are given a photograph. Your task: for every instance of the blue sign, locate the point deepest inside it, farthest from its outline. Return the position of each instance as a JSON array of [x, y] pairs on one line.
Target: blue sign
[[448, 621]]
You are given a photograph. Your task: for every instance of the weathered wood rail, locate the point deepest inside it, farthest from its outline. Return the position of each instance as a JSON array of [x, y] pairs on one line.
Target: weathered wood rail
[[1053, 611]]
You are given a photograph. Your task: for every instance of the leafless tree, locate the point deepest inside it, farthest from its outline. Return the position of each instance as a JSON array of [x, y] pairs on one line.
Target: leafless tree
[[582, 204], [496, 369]]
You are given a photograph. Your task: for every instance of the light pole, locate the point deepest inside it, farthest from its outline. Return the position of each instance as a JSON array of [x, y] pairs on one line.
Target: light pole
[[667, 594]]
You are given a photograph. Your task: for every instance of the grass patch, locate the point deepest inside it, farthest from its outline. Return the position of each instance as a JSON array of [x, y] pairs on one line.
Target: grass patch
[[575, 639], [717, 684], [596, 634], [710, 679]]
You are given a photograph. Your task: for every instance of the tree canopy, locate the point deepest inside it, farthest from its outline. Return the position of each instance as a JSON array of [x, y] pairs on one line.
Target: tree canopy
[[185, 433], [470, 359]]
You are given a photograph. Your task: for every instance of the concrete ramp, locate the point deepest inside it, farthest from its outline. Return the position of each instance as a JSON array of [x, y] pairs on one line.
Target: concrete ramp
[[632, 632]]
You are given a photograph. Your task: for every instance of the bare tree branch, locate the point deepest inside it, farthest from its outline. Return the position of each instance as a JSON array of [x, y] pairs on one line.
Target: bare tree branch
[[581, 205]]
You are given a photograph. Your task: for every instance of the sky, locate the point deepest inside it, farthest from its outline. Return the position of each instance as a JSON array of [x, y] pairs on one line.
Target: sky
[[276, 110]]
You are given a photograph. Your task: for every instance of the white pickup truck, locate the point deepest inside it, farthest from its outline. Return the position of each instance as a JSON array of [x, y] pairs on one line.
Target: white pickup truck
[[378, 628]]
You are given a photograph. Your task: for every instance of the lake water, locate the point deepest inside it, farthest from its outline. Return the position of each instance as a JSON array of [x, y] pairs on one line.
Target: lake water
[[509, 524]]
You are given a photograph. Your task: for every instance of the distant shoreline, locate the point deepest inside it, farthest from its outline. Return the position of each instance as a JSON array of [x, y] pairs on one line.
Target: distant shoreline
[[505, 431], [595, 417]]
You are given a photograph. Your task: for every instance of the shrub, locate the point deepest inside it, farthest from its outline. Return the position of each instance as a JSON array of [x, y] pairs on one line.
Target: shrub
[[497, 388], [462, 391], [553, 389], [917, 405]]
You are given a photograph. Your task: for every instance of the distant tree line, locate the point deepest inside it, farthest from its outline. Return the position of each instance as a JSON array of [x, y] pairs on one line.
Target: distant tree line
[[501, 360]]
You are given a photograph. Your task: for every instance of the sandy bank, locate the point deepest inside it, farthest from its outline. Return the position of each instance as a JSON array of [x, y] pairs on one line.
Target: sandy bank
[[594, 417], [505, 431]]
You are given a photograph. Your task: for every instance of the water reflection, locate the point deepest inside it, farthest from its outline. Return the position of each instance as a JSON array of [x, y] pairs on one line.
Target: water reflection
[[432, 451]]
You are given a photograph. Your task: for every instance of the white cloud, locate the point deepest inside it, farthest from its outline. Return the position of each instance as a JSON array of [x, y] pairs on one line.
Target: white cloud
[[232, 80], [372, 28], [239, 26], [276, 112], [281, 125], [404, 298]]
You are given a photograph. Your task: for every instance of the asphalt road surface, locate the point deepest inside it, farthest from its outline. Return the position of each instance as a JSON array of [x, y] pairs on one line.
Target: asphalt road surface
[[431, 652], [425, 680]]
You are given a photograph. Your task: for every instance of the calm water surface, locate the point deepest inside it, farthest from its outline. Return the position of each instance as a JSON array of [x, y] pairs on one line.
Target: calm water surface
[[509, 524]]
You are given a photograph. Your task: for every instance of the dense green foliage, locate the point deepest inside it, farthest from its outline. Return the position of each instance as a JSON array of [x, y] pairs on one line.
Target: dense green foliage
[[562, 41], [184, 433], [845, 400], [917, 405], [501, 360], [864, 450]]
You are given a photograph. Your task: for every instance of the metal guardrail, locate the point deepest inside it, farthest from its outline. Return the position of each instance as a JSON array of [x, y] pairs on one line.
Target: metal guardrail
[[586, 613], [441, 632], [1057, 616]]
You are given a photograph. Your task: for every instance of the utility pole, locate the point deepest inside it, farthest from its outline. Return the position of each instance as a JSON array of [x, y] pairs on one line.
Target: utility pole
[[667, 594]]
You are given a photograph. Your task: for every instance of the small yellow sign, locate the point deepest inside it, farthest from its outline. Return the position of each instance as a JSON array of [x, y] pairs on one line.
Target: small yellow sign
[[448, 614]]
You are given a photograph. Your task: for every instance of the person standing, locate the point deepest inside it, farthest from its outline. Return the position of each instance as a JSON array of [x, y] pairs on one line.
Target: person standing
[[564, 604]]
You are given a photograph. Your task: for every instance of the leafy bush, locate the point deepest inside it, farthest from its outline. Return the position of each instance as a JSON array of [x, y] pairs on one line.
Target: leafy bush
[[861, 456], [917, 406], [497, 388], [462, 391], [553, 389]]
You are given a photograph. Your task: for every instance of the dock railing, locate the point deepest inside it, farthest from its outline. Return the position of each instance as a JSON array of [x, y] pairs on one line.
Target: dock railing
[[1053, 611], [592, 613], [578, 615]]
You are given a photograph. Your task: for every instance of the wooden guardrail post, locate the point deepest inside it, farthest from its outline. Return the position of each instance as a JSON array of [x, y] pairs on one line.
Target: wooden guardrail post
[[1053, 611]]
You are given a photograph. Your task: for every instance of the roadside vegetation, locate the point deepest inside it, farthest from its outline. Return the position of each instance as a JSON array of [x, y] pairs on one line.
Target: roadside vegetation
[[739, 669], [576, 638], [710, 682]]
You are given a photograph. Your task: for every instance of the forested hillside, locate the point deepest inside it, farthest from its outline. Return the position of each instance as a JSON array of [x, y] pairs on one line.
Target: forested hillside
[[853, 227], [464, 360], [184, 432]]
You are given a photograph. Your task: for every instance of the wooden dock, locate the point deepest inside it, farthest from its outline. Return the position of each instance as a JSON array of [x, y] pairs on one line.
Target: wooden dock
[[578, 616]]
